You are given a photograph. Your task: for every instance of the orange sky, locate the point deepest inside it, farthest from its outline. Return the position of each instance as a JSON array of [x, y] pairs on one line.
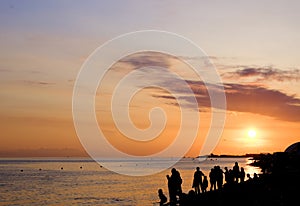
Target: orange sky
[[44, 46], [40, 118]]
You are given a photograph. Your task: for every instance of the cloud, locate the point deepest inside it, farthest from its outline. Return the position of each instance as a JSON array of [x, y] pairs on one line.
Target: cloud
[[264, 74], [145, 59], [244, 98], [264, 101], [38, 83]]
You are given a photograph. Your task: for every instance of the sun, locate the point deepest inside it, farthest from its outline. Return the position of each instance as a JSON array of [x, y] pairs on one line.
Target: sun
[[251, 133]]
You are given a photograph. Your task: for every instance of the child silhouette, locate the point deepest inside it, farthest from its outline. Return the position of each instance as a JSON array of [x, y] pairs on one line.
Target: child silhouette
[[162, 197]]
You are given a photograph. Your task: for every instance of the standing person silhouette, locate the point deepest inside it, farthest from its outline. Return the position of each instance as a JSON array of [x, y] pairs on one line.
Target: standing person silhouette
[[236, 172], [242, 175], [204, 184], [174, 185], [212, 179], [219, 176], [177, 181], [172, 191], [197, 181], [226, 174]]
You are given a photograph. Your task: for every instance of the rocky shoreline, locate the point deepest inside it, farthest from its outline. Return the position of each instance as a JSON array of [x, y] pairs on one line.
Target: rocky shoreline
[[280, 189], [277, 185]]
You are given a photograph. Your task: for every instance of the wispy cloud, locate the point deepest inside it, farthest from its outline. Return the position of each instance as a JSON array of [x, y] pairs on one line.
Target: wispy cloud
[[264, 74], [145, 59], [38, 83]]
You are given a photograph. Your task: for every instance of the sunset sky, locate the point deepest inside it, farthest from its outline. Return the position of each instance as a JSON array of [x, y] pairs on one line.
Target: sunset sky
[[254, 46]]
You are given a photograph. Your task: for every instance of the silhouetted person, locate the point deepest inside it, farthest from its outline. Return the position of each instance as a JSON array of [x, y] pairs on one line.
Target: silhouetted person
[[174, 185], [172, 191], [212, 179], [255, 177], [219, 176], [230, 177], [226, 174], [249, 177], [236, 172], [177, 180], [197, 181], [242, 175], [204, 184], [162, 197]]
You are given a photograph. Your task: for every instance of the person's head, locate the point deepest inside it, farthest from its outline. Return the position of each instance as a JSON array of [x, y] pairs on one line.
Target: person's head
[[191, 193], [236, 163], [160, 191], [197, 168], [173, 170]]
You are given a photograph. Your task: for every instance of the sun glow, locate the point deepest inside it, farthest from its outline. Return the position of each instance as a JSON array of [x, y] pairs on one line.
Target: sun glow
[[251, 133]]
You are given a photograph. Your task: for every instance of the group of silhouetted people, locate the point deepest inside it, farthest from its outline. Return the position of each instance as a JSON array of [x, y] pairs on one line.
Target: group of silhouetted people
[[216, 177], [199, 184], [236, 174], [200, 181]]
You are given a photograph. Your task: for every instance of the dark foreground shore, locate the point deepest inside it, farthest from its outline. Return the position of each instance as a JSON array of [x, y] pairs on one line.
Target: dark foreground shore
[[269, 189], [278, 185]]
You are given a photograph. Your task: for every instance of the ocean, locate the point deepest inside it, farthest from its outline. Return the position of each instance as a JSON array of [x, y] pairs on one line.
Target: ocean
[[71, 181]]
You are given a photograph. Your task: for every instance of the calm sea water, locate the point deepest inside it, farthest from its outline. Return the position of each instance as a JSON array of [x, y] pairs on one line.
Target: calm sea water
[[85, 182]]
